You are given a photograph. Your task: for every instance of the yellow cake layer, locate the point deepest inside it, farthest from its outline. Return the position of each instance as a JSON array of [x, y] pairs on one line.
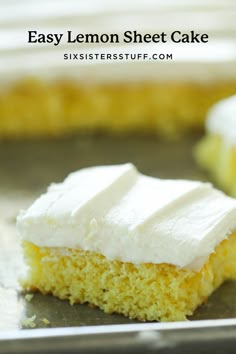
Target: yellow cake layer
[[34, 108], [146, 292], [219, 159]]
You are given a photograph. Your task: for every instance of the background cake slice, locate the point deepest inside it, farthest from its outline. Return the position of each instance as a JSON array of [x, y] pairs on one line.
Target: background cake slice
[[216, 152], [150, 249], [164, 88]]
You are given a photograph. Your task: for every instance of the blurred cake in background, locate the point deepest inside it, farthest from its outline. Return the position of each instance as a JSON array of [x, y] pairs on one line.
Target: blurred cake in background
[[216, 152], [41, 94]]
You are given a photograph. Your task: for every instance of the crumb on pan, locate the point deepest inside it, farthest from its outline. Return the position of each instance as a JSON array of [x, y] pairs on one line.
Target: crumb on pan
[[28, 322], [29, 297], [46, 321]]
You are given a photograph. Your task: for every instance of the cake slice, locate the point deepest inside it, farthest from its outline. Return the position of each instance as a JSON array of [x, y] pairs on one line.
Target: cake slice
[[216, 152], [147, 248]]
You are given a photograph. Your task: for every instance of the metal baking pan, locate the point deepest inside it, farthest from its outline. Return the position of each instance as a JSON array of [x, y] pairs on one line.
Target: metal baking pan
[[27, 167]]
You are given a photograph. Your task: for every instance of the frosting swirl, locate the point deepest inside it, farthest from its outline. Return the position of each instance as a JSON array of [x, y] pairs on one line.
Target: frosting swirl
[[124, 215]]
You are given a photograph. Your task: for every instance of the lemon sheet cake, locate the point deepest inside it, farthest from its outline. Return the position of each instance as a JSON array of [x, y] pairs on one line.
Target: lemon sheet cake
[[41, 94], [147, 248], [216, 152]]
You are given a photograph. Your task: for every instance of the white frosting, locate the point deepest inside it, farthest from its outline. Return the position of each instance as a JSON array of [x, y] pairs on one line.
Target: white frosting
[[221, 120], [124, 215], [212, 61]]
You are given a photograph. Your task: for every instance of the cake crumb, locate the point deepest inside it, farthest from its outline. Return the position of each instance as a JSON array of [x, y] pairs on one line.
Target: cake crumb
[[46, 321], [28, 322], [29, 297]]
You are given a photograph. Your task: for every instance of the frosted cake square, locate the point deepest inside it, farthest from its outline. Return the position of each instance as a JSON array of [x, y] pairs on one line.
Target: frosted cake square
[[216, 152], [147, 248]]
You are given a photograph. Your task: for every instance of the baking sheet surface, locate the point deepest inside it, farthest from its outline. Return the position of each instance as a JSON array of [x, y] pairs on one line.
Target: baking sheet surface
[[26, 170]]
